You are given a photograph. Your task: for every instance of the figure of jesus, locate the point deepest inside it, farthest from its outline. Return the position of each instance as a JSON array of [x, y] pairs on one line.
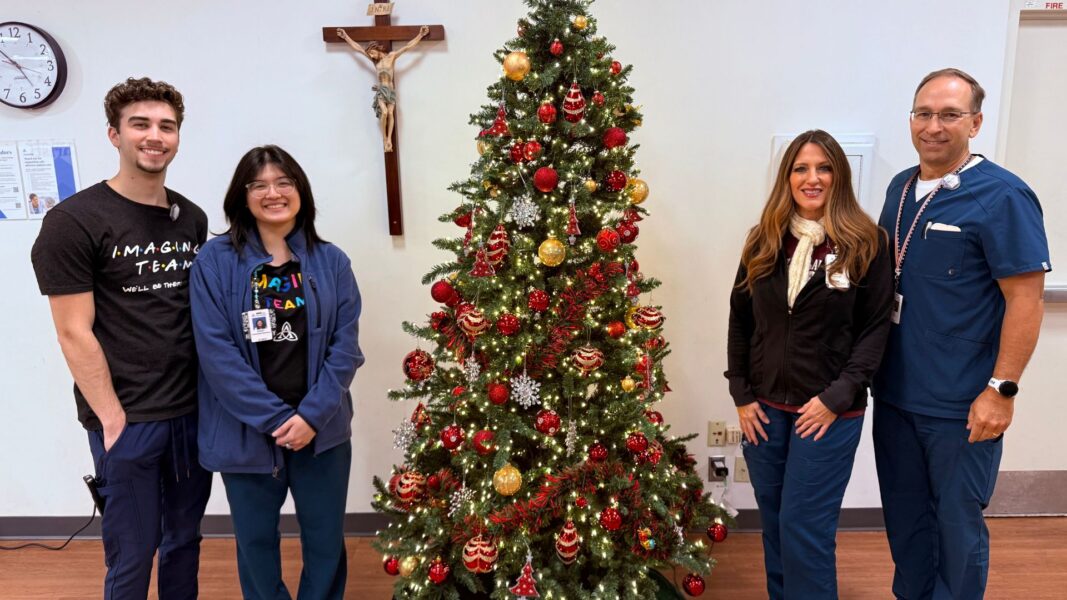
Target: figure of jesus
[[384, 103]]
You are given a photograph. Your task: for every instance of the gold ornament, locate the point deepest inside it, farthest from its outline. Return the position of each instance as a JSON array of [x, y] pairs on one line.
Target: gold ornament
[[629, 318], [628, 384], [481, 147], [507, 480], [516, 65], [580, 22], [486, 184], [638, 191], [408, 566], [552, 252], [590, 185], [494, 192]]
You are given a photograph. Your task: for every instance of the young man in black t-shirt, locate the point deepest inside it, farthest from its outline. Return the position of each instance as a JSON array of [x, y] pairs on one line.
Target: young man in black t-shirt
[[114, 261]]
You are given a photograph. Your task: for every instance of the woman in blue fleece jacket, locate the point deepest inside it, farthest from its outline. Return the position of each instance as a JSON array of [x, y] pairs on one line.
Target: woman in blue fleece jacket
[[276, 317]]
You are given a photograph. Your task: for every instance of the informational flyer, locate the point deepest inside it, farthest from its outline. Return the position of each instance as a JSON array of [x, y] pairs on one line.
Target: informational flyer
[[12, 198], [49, 173]]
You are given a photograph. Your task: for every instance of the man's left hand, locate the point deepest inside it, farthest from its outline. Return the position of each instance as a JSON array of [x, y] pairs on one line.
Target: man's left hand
[[990, 415]]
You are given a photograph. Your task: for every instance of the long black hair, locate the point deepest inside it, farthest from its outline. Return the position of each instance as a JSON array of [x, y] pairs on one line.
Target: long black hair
[[235, 204]]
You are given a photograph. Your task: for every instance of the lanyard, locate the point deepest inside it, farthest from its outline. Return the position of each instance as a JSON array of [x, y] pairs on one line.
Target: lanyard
[[255, 287], [902, 249]]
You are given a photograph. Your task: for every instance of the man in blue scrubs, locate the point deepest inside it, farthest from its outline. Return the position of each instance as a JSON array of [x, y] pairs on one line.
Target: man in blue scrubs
[[971, 257]]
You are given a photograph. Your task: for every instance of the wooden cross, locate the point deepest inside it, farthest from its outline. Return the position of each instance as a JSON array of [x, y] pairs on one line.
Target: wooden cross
[[385, 33]]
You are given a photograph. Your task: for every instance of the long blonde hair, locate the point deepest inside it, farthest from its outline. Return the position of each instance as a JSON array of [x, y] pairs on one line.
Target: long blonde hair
[[852, 231]]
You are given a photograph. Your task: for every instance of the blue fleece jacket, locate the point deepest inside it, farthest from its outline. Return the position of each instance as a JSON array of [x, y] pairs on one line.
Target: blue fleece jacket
[[237, 411]]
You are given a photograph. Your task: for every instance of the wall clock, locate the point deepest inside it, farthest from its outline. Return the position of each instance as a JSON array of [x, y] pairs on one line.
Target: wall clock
[[33, 70]]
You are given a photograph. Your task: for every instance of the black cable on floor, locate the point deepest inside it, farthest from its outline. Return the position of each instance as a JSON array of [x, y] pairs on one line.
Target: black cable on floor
[[60, 547]]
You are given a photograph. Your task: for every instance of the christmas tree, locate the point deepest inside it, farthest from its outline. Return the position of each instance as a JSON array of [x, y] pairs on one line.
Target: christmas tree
[[535, 462]]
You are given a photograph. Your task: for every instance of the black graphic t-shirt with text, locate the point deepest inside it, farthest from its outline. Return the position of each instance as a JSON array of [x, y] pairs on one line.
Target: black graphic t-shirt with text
[[283, 361]]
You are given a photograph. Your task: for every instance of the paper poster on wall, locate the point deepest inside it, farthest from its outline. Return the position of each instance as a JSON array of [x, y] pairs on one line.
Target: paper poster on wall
[[49, 174], [12, 198]]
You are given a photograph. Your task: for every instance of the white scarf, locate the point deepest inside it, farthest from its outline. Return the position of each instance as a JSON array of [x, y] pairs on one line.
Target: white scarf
[[809, 234]]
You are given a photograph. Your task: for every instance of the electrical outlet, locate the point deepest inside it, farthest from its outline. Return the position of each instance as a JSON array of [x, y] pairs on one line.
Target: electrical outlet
[[717, 469], [741, 470], [733, 434], [716, 433]]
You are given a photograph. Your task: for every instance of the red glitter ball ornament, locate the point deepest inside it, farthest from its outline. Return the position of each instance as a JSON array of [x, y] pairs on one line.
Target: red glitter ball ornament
[[452, 436], [439, 571], [556, 48], [607, 240], [615, 181], [418, 365], [546, 179], [598, 99], [717, 532], [616, 67], [693, 584], [546, 113], [547, 422], [614, 137], [616, 329], [598, 453], [610, 519], [538, 300], [483, 442], [508, 324], [458, 391], [636, 442], [581, 502], [517, 151], [463, 220], [627, 232], [442, 291], [498, 393], [392, 566], [531, 150], [654, 416]]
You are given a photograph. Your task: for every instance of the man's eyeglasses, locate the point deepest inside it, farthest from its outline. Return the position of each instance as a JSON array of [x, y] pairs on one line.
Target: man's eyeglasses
[[946, 116], [259, 189]]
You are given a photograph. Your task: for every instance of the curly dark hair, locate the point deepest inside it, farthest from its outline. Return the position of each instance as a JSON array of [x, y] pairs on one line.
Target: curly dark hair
[[138, 90]]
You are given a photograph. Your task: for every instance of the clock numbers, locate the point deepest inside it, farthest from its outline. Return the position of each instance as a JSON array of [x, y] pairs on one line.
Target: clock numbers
[[32, 66]]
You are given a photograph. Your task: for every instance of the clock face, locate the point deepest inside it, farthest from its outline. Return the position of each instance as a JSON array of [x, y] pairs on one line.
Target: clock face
[[33, 70]]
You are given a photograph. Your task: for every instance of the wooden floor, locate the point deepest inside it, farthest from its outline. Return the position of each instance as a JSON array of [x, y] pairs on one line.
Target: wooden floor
[[1029, 560]]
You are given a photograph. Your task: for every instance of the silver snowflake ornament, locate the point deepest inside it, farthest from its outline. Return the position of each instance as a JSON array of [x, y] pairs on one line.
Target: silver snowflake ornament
[[681, 534], [472, 369], [404, 435], [459, 501], [524, 212], [525, 390]]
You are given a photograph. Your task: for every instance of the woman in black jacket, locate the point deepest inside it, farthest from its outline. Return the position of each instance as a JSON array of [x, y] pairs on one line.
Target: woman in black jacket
[[809, 318]]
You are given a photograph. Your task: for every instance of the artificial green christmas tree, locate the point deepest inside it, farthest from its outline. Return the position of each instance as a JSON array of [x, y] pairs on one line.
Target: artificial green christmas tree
[[536, 464]]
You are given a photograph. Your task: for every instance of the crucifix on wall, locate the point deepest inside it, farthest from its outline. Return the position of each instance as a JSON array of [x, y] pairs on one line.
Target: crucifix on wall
[[380, 52]]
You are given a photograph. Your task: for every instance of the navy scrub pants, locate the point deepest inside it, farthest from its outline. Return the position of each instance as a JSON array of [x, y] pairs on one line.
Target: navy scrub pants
[[320, 489], [934, 486], [155, 493], [799, 485]]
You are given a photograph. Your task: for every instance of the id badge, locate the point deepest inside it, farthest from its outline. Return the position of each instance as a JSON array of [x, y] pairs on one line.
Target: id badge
[[835, 281], [898, 306], [258, 324]]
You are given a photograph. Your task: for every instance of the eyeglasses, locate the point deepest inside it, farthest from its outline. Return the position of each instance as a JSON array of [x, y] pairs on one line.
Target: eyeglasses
[[946, 116], [259, 189]]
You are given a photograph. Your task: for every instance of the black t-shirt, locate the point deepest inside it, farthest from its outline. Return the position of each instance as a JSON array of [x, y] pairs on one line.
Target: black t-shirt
[[135, 260], [283, 361]]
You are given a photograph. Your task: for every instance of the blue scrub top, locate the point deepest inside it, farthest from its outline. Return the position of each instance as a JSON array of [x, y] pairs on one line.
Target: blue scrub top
[[941, 355]]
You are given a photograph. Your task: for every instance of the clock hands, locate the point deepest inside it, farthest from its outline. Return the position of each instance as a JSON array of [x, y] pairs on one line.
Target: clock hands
[[12, 62]]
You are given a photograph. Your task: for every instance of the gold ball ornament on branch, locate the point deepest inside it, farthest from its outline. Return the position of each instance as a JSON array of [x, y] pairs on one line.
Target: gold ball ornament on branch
[[408, 566], [628, 384], [590, 185], [516, 65], [638, 191], [507, 480], [580, 22], [552, 252]]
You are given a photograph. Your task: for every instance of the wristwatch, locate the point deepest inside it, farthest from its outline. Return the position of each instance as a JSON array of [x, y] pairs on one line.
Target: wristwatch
[[1004, 387]]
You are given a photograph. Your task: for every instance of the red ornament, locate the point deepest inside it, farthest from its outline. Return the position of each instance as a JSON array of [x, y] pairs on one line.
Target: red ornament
[[616, 329], [498, 393], [531, 150], [508, 324], [545, 179], [610, 519], [438, 320], [634, 267], [525, 586], [598, 453], [434, 482], [615, 181], [442, 291], [419, 416], [654, 416], [458, 391], [452, 436], [556, 48], [517, 151], [614, 137], [472, 321], [599, 99], [656, 343], [500, 125], [463, 220], [573, 231], [631, 215], [546, 113], [588, 359], [418, 365], [482, 267], [607, 240], [616, 67], [648, 317], [632, 290], [483, 442], [693, 584], [627, 232], [653, 455], [568, 543], [498, 245], [717, 532], [410, 487], [439, 571], [581, 502], [642, 364], [636, 442], [547, 422], [392, 565], [574, 104], [538, 300], [480, 554]]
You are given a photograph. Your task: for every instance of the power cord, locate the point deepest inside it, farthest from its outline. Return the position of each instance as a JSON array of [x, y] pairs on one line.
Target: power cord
[[60, 547]]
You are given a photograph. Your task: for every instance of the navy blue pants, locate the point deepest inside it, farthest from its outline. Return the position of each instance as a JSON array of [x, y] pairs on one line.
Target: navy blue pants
[[934, 486], [799, 485], [320, 489], [155, 493]]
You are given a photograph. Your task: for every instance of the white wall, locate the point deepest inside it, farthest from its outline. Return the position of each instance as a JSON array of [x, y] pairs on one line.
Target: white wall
[[716, 80]]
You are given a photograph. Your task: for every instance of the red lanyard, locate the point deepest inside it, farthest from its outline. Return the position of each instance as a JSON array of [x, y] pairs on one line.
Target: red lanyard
[[902, 249]]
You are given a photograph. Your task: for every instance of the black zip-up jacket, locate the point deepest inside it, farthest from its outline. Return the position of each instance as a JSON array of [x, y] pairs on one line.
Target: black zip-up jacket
[[828, 345]]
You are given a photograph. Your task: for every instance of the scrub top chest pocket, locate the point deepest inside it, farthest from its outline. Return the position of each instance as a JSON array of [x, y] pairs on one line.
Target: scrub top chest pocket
[[939, 251]]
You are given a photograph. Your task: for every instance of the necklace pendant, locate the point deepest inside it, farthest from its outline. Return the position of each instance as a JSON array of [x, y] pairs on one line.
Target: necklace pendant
[[950, 181]]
